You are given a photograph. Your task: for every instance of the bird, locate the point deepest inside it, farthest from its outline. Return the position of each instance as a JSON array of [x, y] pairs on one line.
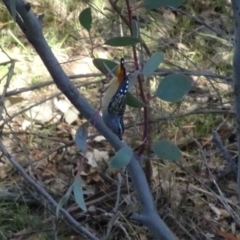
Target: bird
[[113, 101]]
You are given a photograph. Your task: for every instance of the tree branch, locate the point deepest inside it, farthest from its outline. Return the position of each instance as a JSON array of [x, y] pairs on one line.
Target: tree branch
[[224, 151], [31, 27], [236, 76]]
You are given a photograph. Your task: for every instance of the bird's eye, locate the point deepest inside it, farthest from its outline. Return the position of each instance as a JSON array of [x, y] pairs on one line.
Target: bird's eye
[[122, 62]]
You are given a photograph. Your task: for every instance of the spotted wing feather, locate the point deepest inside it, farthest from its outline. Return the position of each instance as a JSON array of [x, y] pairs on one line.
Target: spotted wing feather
[[117, 104]]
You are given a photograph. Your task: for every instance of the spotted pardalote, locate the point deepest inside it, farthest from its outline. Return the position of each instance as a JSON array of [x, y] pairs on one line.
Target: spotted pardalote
[[113, 101]]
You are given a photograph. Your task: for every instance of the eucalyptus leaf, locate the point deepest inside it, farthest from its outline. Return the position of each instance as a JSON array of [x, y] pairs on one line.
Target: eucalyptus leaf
[[121, 158], [85, 18], [153, 62], [133, 101], [133, 77], [100, 63], [78, 193], [167, 150], [64, 200], [173, 87], [81, 137]]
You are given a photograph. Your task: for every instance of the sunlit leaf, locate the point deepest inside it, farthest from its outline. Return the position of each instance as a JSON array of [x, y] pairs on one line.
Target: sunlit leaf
[[133, 101], [81, 137], [64, 199], [78, 193], [122, 41], [121, 158], [153, 62], [152, 4], [85, 18], [99, 64], [173, 87], [167, 150]]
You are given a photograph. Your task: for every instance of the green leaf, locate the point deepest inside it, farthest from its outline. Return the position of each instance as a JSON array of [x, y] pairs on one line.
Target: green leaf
[[12, 4], [64, 199], [121, 158], [122, 41], [78, 193], [173, 87], [135, 29], [152, 4], [151, 65], [85, 18], [133, 77], [99, 64], [133, 101], [81, 137], [167, 150]]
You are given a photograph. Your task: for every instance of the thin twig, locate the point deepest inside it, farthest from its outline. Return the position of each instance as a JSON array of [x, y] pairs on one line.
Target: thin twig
[[224, 152], [140, 84], [114, 216], [221, 198], [41, 102], [9, 77], [48, 83], [196, 19], [165, 72], [181, 226]]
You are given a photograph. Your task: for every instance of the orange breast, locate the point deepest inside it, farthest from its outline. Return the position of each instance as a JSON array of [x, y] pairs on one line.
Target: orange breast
[[120, 74]]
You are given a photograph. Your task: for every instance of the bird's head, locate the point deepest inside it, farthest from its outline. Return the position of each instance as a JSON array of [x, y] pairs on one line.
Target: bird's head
[[118, 86], [120, 72]]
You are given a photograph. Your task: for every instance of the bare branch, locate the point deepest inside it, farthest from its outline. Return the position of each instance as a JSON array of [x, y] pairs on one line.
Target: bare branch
[[223, 151], [47, 83], [114, 216], [236, 76], [9, 77], [165, 72]]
